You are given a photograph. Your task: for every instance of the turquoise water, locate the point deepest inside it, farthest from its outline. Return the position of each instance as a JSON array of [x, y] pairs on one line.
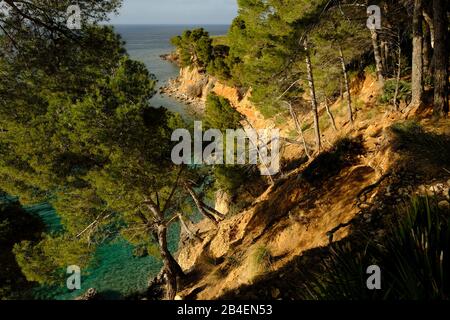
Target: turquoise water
[[116, 272]]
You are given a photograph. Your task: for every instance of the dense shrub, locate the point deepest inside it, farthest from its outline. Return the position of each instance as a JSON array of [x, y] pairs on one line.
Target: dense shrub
[[219, 114], [414, 258], [404, 92], [13, 284], [194, 47]]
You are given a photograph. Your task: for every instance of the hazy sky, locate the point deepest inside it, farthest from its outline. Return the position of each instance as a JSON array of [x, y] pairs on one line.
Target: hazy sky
[[176, 12]]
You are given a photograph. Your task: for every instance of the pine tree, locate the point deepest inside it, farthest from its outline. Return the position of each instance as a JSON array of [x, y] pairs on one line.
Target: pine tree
[[441, 58], [78, 131], [417, 62]]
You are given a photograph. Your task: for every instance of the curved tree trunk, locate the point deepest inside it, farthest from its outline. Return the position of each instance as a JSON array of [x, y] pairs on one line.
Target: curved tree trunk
[[313, 96], [172, 269], [417, 60], [186, 228], [441, 56], [217, 215], [200, 207], [330, 115]]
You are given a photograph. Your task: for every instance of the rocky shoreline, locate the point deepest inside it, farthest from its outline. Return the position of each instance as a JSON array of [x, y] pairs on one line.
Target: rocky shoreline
[[171, 57], [175, 90]]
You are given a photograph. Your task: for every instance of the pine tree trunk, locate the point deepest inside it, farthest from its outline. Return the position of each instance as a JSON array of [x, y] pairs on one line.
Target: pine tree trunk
[[200, 207], [172, 269], [377, 55], [313, 96], [427, 15], [417, 60], [399, 72], [217, 215], [427, 51], [186, 228], [347, 85], [441, 56], [384, 53]]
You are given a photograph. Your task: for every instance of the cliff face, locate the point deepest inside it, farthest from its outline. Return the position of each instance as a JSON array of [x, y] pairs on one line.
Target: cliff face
[[261, 251], [193, 86]]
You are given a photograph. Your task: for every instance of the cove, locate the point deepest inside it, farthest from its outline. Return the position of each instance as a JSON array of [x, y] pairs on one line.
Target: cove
[[115, 272]]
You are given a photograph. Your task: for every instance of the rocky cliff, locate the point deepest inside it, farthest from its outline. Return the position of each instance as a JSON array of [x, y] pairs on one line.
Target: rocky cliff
[[193, 86], [344, 193]]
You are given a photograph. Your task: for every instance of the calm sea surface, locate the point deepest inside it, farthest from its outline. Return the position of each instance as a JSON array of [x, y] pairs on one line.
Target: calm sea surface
[[116, 272], [147, 43]]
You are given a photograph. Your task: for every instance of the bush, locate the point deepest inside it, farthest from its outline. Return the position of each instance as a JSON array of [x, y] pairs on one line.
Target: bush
[[414, 259], [231, 178], [194, 48], [13, 284], [404, 92], [221, 64], [260, 261], [219, 68], [219, 113]]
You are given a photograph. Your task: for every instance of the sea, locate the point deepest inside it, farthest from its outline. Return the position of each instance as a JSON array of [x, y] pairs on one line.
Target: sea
[[146, 43], [116, 273]]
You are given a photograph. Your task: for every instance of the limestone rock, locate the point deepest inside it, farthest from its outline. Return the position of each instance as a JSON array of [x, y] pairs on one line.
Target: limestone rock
[[223, 201]]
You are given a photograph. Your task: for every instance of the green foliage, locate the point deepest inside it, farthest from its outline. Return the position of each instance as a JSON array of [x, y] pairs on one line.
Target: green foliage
[[219, 114], [404, 92], [344, 278], [263, 256], [232, 178], [153, 251], [16, 225], [220, 41], [220, 66], [78, 131], [47, 261], [371, 69], [414, 256], [194, 48], [261, 261], [265, 47], [334, 31], [197, 48]]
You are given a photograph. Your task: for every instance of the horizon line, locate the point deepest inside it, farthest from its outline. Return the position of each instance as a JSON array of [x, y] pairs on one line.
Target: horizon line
[[168, 24]]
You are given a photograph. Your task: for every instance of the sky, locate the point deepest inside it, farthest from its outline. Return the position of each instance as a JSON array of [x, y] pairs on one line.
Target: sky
[[176, 12]]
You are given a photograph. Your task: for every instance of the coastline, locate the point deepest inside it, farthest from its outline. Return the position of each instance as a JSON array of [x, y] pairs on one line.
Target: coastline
[[174, 88]]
